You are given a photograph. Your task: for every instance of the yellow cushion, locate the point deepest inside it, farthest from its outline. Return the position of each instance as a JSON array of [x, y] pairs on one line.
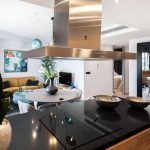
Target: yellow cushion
[[23, 80], [11, 89], [29, 87], [40, 85], [13, 81]]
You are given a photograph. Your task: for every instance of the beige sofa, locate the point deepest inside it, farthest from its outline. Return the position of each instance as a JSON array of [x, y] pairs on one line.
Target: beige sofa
[[20, 83]]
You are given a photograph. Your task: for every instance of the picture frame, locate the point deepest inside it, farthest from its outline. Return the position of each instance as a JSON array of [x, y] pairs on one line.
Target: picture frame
[[14, 62]]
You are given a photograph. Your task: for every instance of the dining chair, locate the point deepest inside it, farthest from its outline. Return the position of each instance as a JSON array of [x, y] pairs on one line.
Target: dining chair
[[77, 98], [45, 105], [25, 107]]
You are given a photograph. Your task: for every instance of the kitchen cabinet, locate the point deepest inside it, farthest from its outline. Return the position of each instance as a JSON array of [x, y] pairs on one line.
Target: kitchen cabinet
[[128, 144], [143, 139], [140, 141]]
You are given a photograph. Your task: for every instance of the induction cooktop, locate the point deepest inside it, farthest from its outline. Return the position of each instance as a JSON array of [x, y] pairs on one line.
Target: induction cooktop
[[73, 133]]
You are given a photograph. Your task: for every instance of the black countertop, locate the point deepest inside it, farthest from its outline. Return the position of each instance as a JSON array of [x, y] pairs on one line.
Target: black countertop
[[84, 124]]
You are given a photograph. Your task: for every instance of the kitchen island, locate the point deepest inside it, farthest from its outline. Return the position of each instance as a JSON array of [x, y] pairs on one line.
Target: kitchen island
[[81, 125]]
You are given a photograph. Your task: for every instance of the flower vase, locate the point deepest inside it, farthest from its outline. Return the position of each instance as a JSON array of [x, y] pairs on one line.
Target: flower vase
[[52, 89], [5, 134]]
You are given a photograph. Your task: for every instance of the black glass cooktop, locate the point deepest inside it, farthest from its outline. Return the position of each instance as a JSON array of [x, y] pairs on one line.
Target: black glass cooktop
[[72, 132]]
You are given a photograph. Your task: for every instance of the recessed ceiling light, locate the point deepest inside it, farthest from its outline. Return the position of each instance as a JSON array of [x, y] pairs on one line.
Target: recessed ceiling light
[[116, 1]]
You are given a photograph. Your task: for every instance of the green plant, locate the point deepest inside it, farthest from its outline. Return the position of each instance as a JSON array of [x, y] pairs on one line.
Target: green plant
[[48, 69], [4, 102]]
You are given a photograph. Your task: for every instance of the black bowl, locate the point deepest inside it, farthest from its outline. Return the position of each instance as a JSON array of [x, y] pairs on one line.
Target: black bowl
[[137, 102], [107, 101]]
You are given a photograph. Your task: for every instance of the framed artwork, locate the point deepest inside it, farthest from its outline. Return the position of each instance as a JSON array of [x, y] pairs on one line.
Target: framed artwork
[[13, 61]]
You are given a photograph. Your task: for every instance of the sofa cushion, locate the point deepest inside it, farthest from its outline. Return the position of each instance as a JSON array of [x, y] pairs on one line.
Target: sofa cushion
[[29, 87], [5, 84], [11, 89], [23, 80], [32, 83], [13, 81]]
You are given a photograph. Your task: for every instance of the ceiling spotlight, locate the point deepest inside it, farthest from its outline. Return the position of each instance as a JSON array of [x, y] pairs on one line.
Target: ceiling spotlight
[[116, 1]]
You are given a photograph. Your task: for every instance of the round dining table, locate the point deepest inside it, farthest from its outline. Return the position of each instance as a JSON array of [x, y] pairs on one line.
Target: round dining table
[[65, 94]]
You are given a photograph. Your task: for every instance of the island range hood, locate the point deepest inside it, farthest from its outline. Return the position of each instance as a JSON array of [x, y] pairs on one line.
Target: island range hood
[[77, 33]]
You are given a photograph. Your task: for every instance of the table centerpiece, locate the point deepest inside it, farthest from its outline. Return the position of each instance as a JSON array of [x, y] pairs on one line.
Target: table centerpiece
[[49, 73]]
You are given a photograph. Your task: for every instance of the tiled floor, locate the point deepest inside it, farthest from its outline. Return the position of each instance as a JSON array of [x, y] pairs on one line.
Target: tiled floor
[[14, 110]]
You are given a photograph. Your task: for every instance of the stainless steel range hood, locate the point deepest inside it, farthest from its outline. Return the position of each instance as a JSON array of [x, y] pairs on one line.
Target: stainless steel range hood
[[77, 53], [77, 33]]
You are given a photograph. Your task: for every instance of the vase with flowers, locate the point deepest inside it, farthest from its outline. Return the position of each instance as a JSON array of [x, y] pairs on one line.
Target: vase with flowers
[[5, 127], [49, 73]]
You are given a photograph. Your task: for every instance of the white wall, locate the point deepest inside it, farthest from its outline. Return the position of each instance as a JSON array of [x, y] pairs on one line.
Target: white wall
[[133, 65], [76, 68], [33, 65], [100, 81], [126, 63], [14, 44], [126, 75], [109, 65]]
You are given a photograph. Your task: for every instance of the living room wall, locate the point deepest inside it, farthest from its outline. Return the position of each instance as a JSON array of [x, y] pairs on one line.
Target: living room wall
[[33, 64], [76, 67]]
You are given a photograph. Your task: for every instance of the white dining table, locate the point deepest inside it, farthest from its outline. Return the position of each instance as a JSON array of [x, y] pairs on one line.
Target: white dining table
[[40, 95]]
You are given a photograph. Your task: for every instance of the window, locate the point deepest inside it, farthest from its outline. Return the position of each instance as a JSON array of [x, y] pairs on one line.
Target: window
[[145, 61]]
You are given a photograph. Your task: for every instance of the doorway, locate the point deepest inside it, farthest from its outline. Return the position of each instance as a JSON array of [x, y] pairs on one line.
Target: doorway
[[118, 74]]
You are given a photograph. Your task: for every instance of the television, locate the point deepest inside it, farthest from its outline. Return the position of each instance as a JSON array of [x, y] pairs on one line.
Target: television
[[65, 78]]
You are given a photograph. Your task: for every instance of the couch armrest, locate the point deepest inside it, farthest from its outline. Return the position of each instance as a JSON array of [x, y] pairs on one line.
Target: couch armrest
[[40, 85]]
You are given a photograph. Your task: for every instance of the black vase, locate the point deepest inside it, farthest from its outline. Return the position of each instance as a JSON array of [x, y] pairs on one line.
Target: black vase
[[52, 89]]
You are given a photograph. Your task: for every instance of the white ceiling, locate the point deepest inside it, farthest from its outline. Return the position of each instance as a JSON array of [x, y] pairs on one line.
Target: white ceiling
[[132, 13], [32, 19], [24, 20], [45, 3]]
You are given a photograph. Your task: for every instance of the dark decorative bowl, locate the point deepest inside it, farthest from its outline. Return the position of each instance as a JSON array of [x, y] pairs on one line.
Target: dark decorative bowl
[[52, 90], [107, 101], [137, 102]]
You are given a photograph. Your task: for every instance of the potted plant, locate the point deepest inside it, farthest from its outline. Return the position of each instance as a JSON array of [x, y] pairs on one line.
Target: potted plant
[[5, 128], [48, 72]]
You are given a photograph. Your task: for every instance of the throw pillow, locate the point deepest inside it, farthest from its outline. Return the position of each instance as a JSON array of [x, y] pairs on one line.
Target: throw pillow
[[32, 83], [28, 82], [5, 84]]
